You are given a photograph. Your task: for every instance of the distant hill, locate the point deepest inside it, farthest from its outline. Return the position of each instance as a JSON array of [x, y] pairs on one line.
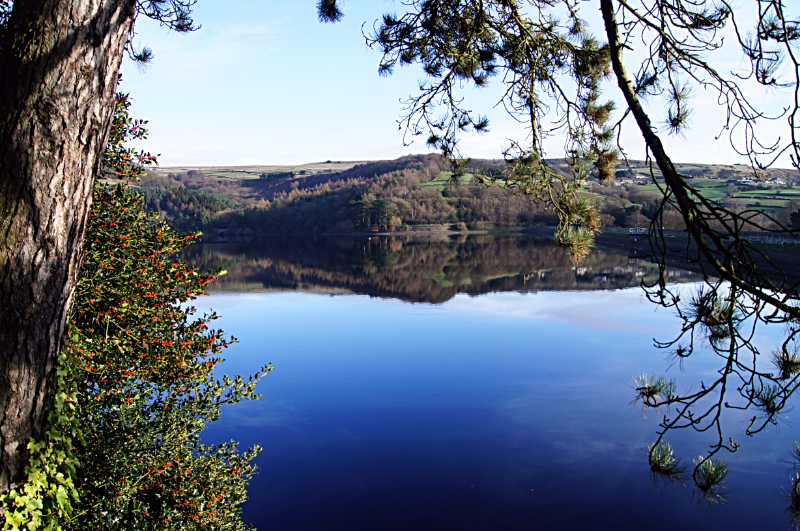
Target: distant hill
[[415, 191], [254, 172]]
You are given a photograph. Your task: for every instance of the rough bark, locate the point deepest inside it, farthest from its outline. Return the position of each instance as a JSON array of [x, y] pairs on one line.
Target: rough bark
[[710, 244], [58, 76]]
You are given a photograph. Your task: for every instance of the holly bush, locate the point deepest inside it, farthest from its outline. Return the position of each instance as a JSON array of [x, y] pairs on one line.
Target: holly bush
[[142, 363], [136, 382]]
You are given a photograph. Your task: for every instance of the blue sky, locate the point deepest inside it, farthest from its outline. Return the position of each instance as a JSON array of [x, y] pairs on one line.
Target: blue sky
[[263, 82]]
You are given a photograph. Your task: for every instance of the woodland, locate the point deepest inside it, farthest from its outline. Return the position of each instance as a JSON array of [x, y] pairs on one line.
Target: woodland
[[414, 192]]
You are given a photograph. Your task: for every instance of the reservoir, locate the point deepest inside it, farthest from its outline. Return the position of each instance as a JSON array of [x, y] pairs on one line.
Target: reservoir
[[472, 383]]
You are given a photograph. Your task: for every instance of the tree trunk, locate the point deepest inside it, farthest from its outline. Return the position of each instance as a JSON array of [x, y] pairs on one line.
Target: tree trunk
[[59, 67]]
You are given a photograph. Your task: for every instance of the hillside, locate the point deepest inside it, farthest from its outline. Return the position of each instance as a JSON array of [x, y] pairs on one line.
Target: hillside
[[415, 193]]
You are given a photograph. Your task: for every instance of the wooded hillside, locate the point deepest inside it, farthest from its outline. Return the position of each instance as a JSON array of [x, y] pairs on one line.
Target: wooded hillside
[[416, 192]]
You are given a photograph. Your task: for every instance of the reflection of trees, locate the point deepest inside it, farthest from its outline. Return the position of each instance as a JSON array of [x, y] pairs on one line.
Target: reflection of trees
[[714, 317], [724, 318], [419, 269]]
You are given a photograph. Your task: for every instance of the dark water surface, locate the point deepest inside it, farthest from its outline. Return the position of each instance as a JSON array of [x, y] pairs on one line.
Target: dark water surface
[[465, 384]]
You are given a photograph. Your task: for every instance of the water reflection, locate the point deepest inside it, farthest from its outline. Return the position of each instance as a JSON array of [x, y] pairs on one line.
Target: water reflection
[[377, 407], [755, 389], [429, 270]]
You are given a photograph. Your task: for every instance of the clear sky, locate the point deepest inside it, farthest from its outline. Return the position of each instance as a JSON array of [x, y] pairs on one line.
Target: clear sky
[[263, 82]]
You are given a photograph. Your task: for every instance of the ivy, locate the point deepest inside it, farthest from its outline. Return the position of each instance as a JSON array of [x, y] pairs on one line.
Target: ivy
[[46, 497]]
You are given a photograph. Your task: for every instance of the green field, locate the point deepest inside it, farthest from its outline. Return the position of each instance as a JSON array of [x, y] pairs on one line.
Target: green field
[[234, 174], [254, 172], [765, 198], [442, 180], [768, 199]]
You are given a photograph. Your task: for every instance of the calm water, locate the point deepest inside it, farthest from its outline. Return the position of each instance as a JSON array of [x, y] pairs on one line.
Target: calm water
[[465, 384]]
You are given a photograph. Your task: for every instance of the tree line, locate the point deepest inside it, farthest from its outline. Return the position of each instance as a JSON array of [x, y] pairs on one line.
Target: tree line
[[401, 198]]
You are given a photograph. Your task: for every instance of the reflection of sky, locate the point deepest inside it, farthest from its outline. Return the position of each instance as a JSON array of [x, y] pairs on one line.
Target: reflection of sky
[[503, 411], [615, 311]]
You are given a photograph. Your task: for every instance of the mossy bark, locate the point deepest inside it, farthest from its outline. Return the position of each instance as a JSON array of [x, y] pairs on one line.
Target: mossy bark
[[59, 67]]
